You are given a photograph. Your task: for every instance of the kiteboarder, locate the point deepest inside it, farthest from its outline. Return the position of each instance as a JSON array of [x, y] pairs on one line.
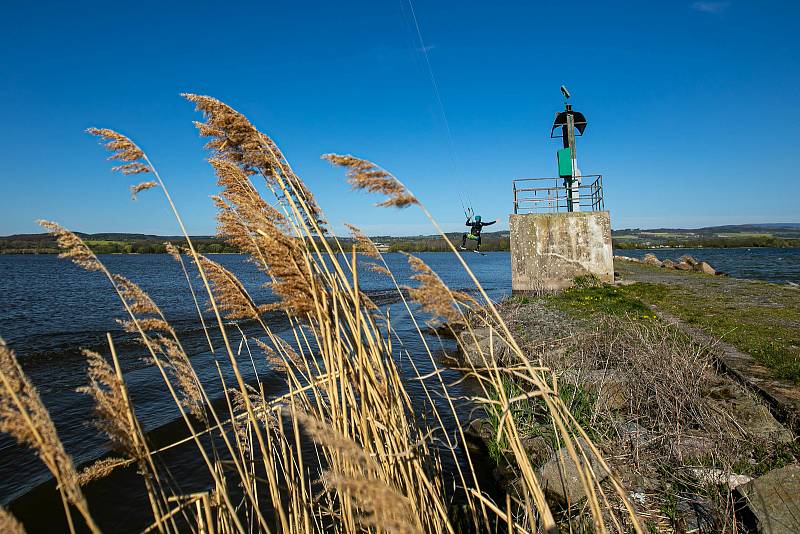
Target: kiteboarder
[[474, 234]]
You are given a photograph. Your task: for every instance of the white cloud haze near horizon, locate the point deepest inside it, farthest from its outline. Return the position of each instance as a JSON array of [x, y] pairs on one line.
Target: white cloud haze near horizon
[[711, 7]]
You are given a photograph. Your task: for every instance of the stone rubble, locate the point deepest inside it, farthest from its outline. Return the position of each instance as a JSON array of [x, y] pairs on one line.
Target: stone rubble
[[685, 263], [774, 499]]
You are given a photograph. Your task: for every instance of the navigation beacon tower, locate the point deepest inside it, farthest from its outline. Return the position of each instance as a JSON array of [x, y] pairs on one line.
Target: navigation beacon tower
[[560, 229]]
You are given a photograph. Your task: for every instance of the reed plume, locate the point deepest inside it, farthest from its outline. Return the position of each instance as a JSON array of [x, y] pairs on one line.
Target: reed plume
[[235, 139], [249, 223], [363, 243], [293, 281], [111, 406], [260, 408], [358, 479], [287, 352], [143, 186], [148, 317], [379, 506], [433, 295], [363, 174], [325, 435], [116, 419], [147, 313], [243, 200], [73, 246], [123, 149], [100, 469], [173, 251], [230, 295], [24, 417], [279, 360], [374, 267], [9, 523], [182, 371]]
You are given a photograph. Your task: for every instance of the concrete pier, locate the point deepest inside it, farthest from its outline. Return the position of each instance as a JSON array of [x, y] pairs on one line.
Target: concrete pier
[[548, 250]]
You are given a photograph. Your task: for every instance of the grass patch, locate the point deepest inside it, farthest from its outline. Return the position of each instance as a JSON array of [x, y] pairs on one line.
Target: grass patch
[[531, 416], [765, 459], [584, 298], [758, 318]]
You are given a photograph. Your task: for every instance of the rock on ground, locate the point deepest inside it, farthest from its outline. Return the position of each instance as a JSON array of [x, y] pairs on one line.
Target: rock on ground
[[627, 258], [718, 477], [477, 352], [750, 414], [704, 267], [564, 487], [651, 259], [607, 385], [775, 500]]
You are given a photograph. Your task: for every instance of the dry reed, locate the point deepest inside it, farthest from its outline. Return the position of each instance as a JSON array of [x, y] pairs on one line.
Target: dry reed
[[9, 523], [25, 418], [363, 174], [100, 469], [72, 246], [235, 139], [363, 243], [434, 296], [111, 406], [142, 186], [376, 453], [122, 149]]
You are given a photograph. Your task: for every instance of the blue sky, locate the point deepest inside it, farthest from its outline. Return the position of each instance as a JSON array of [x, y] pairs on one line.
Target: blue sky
[[693, 117]]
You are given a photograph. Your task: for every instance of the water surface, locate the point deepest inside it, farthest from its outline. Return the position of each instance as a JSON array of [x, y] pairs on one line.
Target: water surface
[[50, 309], [779, 265]]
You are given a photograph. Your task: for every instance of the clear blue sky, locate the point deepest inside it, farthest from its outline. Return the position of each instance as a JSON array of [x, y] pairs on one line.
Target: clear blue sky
[[692, 106]]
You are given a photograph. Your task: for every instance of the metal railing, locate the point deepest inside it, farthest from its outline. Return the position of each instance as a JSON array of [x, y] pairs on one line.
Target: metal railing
[[534, 195]]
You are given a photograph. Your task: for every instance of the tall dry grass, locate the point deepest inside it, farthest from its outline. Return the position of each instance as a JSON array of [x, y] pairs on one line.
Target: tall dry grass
[[377, 465]]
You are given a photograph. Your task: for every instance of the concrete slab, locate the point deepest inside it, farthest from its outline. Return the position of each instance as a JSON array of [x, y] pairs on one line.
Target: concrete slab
[[548, 250]]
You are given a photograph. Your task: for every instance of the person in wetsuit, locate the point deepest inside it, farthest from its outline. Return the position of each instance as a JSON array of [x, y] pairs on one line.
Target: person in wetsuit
[[474, 231]]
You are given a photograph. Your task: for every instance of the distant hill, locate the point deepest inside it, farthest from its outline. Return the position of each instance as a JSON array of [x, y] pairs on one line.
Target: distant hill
[[108, 243], [741, 235], [122, 243], [737, 235]]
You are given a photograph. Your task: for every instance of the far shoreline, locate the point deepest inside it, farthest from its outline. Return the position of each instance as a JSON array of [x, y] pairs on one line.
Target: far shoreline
[[616, 249]]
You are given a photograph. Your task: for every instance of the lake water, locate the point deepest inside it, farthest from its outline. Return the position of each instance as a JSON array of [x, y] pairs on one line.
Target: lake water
[[779, 265], [50, 309]]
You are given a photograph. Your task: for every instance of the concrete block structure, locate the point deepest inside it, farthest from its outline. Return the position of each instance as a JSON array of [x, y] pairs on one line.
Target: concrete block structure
[[548, 250]]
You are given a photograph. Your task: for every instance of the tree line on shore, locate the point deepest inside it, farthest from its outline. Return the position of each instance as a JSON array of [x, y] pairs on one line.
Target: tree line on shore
[[42, 244], [115, 247], [492, 242]]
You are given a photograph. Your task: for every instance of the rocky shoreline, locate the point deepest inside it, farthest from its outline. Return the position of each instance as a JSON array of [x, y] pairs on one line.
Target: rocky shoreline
[[693, 448], [684, 263]]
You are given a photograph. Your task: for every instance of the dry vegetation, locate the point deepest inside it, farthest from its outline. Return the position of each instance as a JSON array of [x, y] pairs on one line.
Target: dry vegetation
[[377, 465], [679, 435]]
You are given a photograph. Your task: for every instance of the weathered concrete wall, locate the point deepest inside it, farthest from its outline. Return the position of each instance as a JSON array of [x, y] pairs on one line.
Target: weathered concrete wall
[[548, 250]]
